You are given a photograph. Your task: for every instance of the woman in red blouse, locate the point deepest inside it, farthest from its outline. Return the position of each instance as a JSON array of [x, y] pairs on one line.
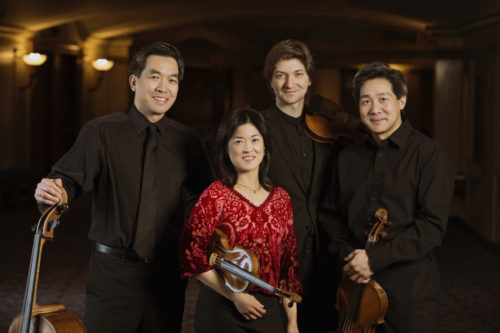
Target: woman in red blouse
[[254, 215]]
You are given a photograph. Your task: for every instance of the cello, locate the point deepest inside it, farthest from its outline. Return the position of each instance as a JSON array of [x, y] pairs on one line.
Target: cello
[[44, 318], [240, 267], [362, 307]]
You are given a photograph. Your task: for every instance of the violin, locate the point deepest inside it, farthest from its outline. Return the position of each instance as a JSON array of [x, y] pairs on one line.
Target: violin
[[327, 122], [36, 318], [240, 267], [362, 307]]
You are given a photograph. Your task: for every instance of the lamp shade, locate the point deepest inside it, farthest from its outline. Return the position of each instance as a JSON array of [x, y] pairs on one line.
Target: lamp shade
[[102, 64], [34, 59]]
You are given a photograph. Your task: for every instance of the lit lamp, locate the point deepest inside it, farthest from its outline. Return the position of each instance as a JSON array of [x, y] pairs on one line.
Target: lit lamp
[[102, 64], [34, 59]]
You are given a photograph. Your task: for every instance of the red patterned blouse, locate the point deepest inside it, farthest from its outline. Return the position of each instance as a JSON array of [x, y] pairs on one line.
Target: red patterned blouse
[[267, 230]]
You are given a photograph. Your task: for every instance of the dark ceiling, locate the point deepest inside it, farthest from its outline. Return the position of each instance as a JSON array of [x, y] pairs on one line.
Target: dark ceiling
[[246, 29]]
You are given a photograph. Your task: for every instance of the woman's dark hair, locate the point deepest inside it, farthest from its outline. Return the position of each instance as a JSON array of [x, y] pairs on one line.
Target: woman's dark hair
[[377, 70], [138, 62], [229, 124]]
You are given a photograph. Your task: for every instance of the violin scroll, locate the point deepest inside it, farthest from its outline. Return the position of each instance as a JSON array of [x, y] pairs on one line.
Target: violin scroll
[[377, 231], [294, 297]]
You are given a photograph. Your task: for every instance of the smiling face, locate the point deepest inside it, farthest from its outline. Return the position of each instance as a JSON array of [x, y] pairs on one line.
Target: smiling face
[[246, 149], [156, 88], [379, 108], [289, 83]]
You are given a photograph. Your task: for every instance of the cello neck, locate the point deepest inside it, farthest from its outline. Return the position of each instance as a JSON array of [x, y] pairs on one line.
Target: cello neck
[[31, 283], [43, 231]]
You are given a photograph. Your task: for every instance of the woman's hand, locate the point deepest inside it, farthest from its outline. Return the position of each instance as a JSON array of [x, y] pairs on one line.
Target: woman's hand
[[248, 306], [291, 315]]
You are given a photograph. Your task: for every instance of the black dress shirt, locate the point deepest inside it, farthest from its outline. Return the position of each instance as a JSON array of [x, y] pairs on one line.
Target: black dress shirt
[[410, 176], [300, 147], [107, 158]]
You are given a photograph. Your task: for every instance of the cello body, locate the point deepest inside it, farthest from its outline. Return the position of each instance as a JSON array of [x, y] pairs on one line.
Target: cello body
[[53, 322]]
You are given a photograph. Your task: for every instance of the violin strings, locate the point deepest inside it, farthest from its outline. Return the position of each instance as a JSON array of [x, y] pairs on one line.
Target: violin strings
[[353, 304], [238, 271]]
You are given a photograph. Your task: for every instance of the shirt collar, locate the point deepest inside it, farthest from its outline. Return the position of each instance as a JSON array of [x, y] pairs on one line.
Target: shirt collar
[[141, 123], [401, 134], [291, 120], [398, 138]]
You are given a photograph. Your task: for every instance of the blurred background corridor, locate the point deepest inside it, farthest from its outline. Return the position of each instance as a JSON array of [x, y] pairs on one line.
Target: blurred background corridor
[[449, 52]]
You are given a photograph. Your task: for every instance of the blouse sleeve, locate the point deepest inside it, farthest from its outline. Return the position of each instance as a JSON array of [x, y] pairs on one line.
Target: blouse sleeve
[[196, 235], [290, 254]]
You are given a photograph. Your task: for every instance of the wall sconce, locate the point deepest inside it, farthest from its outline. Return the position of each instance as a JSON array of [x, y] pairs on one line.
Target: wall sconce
[[102, 64], [34, 59]]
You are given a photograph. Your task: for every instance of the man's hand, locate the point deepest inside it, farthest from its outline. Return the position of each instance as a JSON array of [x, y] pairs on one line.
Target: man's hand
[[248, 306], [48, 191], [358, 266]]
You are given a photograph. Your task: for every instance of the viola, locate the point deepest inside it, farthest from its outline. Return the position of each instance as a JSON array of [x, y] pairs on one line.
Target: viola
[[240, 267], [327, 122], [362, 307], [36, 318]]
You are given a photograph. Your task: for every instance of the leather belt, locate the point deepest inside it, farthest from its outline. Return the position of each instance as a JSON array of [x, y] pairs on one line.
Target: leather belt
[[124, 254]]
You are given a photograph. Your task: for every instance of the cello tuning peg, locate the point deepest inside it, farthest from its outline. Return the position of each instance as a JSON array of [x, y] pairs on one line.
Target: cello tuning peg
[[63, 208], [383, 234], [388, 223]]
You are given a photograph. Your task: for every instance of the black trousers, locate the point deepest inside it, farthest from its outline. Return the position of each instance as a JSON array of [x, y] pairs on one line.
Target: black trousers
[[320, 276], [129, 296], [215, 313]]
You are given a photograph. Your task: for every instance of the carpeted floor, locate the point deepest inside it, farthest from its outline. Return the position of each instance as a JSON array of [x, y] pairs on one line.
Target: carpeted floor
[[470, 271]]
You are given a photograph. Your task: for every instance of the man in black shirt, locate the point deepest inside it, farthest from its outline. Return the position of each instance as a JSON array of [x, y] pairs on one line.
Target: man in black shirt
[[143, 168], [401, 170], [302, 167]]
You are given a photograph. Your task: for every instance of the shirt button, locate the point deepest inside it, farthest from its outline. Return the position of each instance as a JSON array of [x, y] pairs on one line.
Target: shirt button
[[304, 154], [372, 198], [379, 154]]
